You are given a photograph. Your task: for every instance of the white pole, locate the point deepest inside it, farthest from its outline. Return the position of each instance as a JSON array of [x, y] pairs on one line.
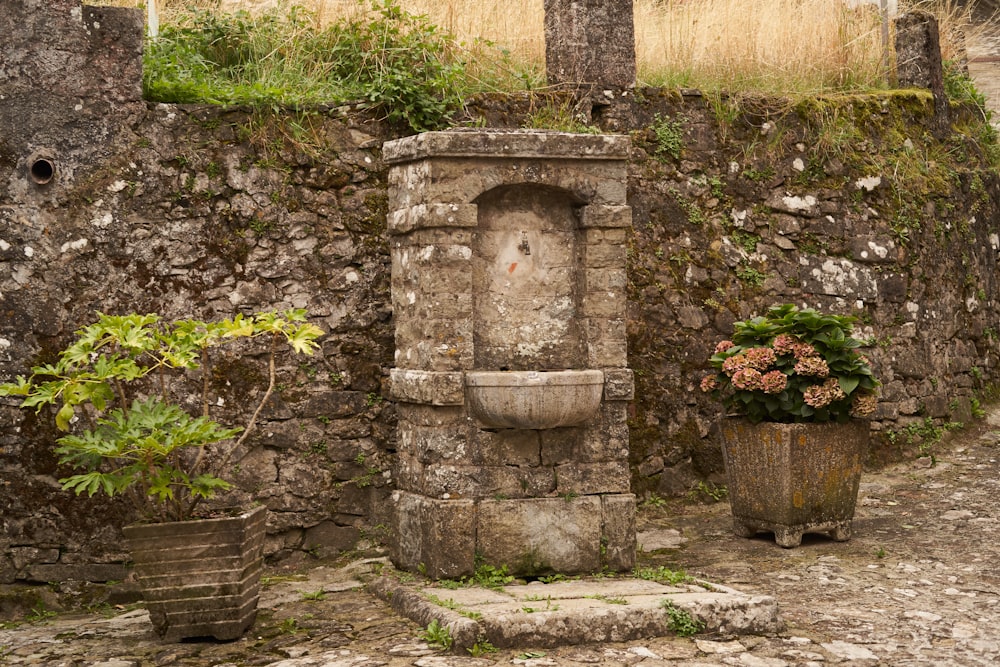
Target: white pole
[[885, 42], [153, 19]]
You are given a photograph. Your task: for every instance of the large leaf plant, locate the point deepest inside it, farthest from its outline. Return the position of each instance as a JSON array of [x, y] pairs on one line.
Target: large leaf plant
[[111, 389]]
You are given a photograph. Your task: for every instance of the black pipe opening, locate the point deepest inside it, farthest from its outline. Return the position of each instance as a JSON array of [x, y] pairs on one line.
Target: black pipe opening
[[42, 170]]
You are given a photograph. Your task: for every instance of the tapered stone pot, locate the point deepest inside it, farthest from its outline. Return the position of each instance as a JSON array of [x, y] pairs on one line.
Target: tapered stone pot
[[200, 578], [791, 479]]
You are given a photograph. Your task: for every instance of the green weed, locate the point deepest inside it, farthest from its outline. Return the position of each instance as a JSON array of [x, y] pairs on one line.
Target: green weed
[[481, 648], [663, 575], [313, 595], [669, 137], [680, 621], [438, 635]]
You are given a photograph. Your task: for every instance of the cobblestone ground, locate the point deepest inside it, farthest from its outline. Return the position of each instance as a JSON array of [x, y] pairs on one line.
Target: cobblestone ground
[[918, 584]]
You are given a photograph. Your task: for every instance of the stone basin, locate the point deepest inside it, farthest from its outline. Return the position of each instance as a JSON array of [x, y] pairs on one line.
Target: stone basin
[[534, 399]]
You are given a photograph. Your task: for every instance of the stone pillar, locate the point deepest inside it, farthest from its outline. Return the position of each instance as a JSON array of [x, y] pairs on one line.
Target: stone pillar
[[918, 60], [590, 42]]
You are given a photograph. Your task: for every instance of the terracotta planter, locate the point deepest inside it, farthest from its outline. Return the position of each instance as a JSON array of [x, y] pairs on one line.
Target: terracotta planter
[[200, 578], [791, 479]]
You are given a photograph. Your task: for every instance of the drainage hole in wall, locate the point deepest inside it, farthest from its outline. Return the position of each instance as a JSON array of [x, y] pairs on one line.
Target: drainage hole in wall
[[42, 170]]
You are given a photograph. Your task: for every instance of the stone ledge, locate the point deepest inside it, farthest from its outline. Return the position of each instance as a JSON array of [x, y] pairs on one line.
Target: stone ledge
[[570, 613], [426, 216], [545, 144]]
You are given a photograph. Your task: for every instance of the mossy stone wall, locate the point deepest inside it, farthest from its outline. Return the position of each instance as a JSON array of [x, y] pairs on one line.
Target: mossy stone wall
[[848, 204]]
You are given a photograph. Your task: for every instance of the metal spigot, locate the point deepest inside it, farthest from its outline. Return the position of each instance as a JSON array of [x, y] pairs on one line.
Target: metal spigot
[[524, 247]]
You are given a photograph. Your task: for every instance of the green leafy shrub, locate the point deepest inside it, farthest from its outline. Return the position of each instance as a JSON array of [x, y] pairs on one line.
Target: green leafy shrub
[[395, 61], [114, 381], [793, 365]]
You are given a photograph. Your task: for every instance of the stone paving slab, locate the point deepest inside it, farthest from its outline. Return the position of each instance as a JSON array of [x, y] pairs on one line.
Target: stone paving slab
[[567, 613]]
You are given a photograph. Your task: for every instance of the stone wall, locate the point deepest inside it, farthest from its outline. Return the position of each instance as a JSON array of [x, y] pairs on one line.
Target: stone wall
[[846, 204]]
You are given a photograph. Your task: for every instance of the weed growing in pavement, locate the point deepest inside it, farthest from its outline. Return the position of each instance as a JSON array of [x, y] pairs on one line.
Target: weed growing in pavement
[[680, 621], [437, 635]]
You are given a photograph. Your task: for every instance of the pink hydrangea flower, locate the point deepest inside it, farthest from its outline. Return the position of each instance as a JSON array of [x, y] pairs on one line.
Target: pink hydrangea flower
[[812, 366], [864, 405], [709, 383], [784, 344], [803, 350], [723, 346], [735, 363], [822, 395], [759, 358], [747, 378], [774, 382]]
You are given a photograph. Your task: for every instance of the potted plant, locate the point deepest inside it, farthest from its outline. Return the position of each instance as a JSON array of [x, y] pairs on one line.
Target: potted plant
[[118, 392], [797, 391]]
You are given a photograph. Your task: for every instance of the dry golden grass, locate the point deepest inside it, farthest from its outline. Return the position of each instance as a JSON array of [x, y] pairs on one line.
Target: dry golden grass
[[796, 47]]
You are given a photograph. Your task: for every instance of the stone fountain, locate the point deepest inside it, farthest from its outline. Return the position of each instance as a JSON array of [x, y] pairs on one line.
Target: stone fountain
[[511, 378]]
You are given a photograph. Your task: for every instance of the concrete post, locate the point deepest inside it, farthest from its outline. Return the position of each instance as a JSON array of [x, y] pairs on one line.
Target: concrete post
[[918, 60], [590, 42]]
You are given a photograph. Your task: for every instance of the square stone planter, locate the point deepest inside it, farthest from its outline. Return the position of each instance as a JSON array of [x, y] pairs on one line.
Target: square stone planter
[[200, 578], [791, 479]]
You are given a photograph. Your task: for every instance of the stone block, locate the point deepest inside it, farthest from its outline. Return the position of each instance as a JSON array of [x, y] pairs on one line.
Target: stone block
[[327, 539], [429, 387], [434, 344], [604, 329], [607, 440], [355, 500], [540, 535], [516, 447], [431, 281], [592, 478], [409, 472], [894, 287], [619, 384], [838, 277], [332, 405], [437, 444], [434, 536], [607, 354], [600, 216], [614, 279], [918, 57], [618, 532], [22, 557], [500, 143], [885, 411], [873, 250], [561, 445], [604, 254], [936, 406], [413, 305], [429, 415], [406, 547], [604, 304], [452, 481]]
